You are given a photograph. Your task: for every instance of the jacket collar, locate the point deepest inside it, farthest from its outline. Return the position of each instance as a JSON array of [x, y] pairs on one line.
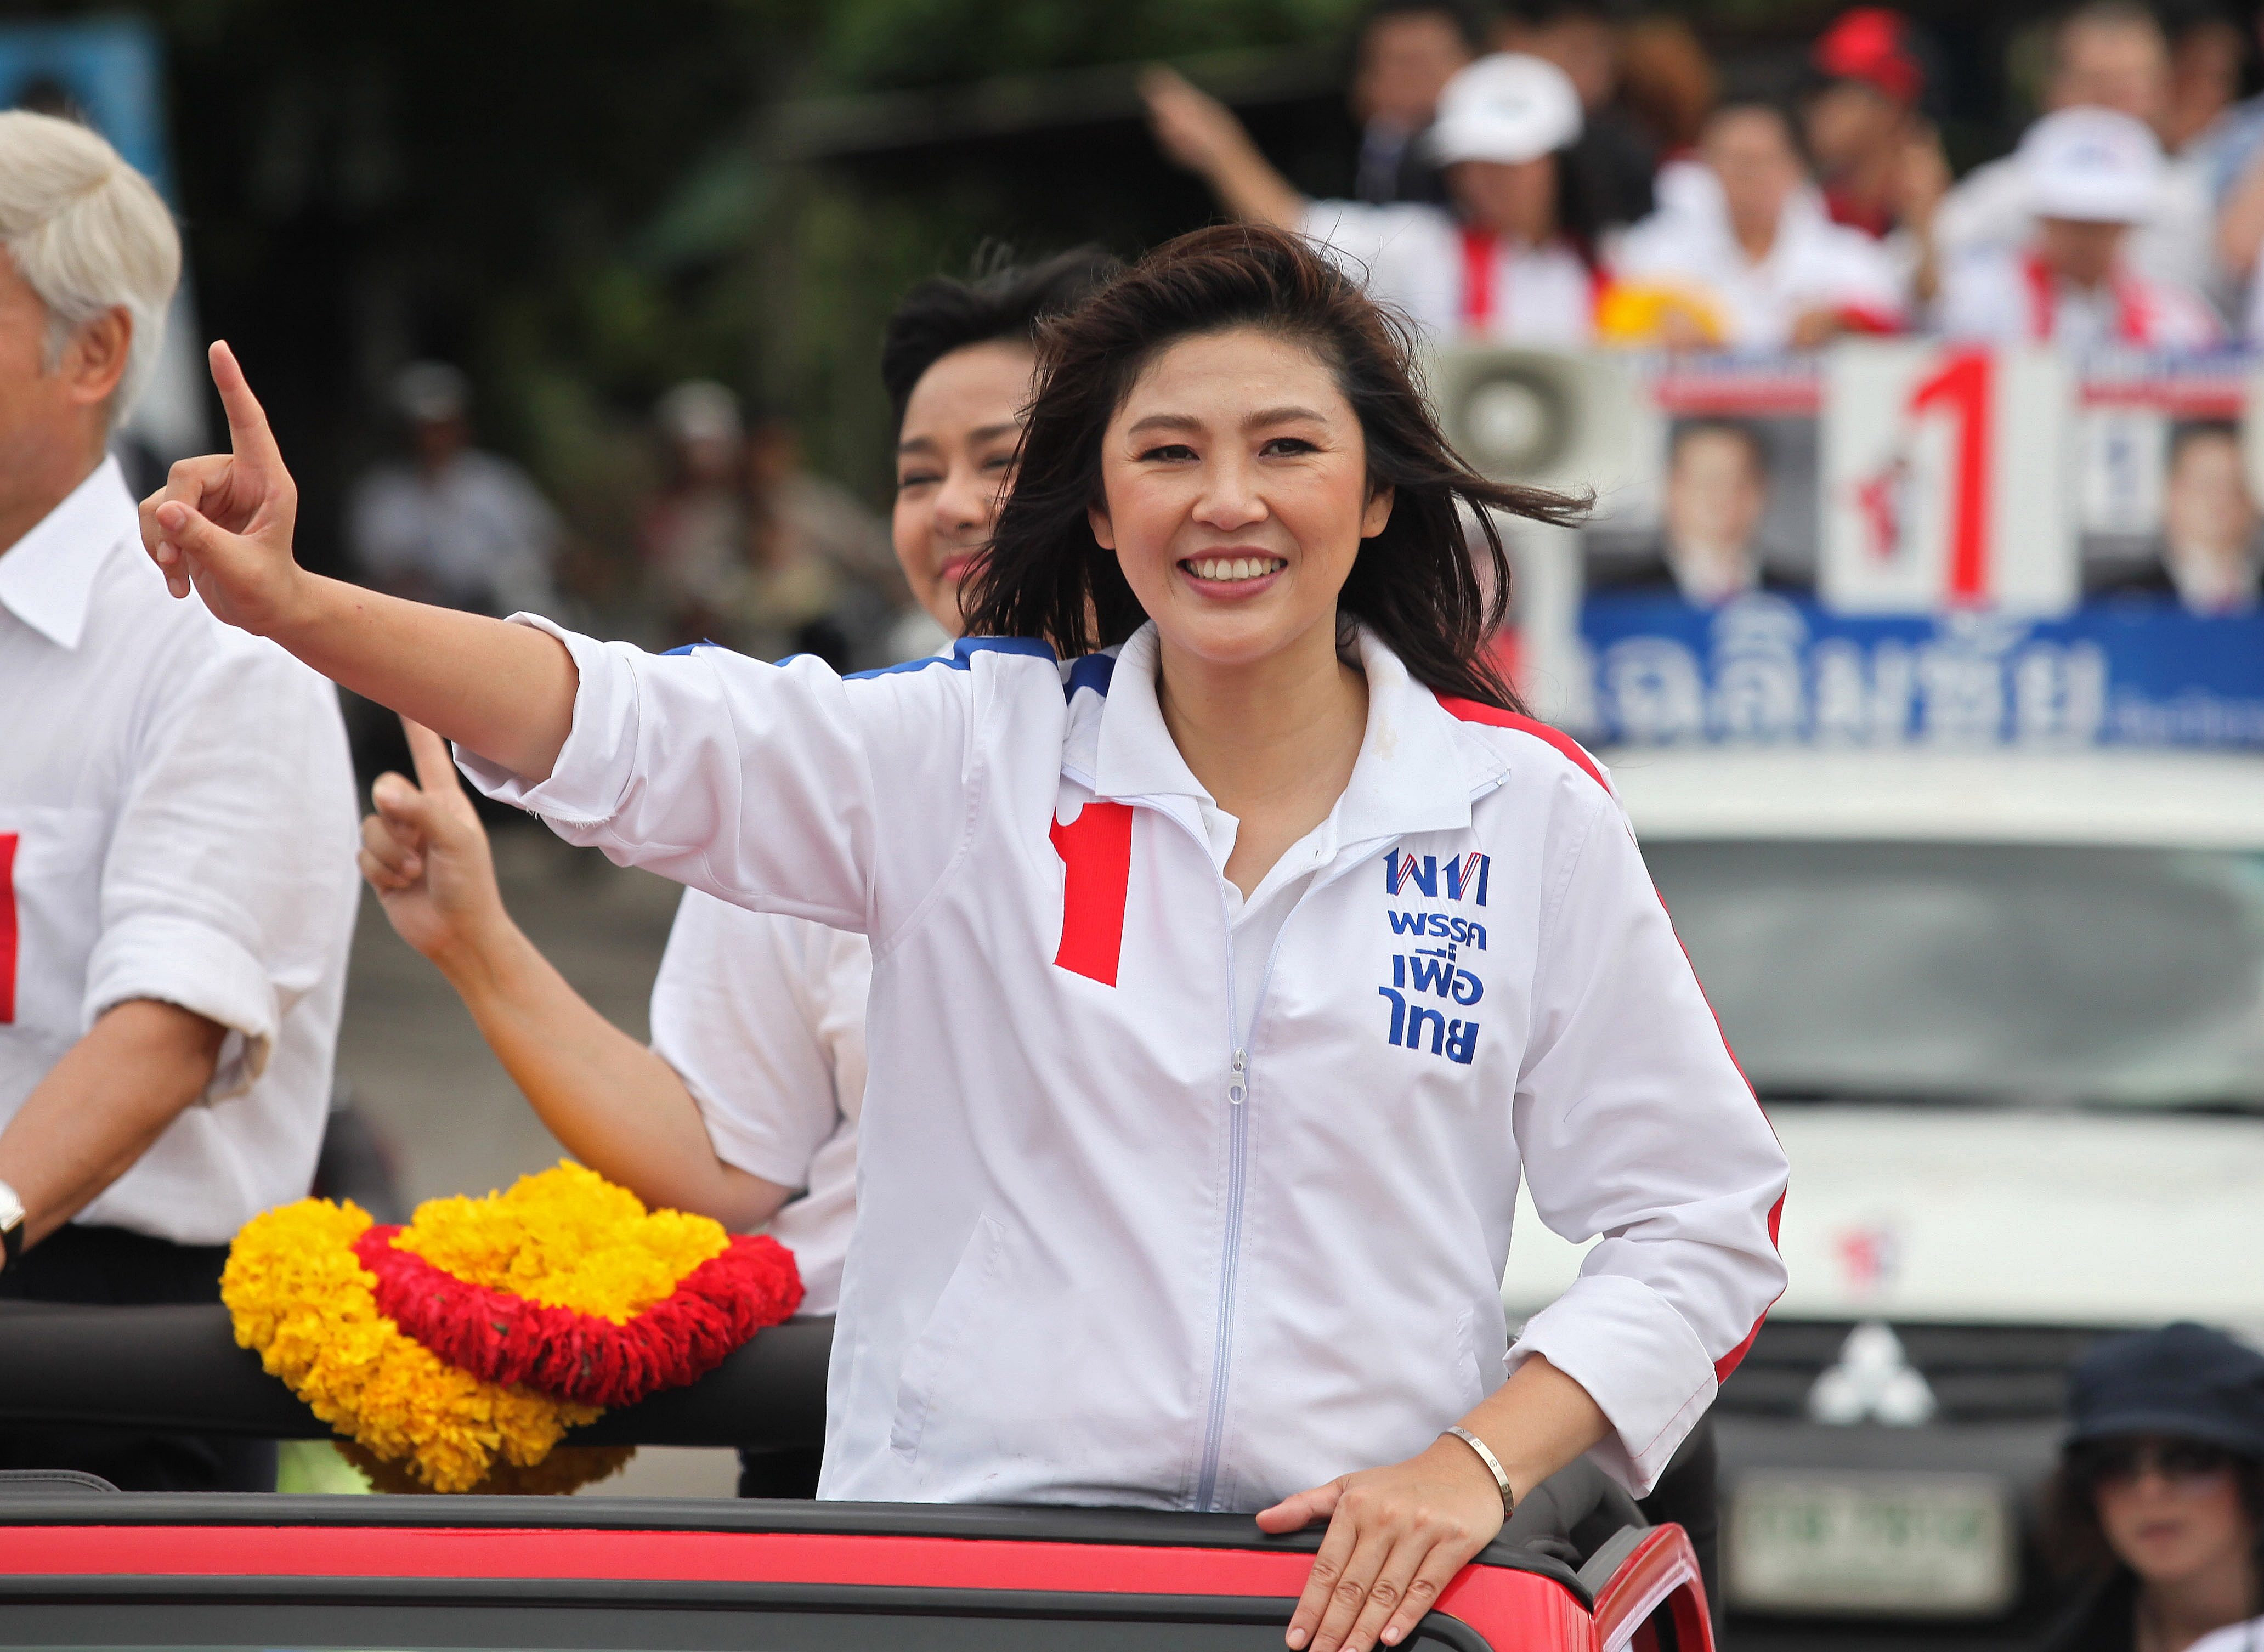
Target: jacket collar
[[46, 577], [1415, 773]]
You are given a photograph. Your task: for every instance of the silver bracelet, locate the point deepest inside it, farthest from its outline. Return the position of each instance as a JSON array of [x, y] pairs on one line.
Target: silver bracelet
[[1492, 1463]]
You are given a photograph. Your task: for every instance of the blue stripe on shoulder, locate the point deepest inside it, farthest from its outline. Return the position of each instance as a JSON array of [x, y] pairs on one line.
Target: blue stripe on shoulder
[[963, 654], [1093, 672]]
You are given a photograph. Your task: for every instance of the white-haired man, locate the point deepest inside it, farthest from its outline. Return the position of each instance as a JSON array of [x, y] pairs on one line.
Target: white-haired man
[[177, 829]]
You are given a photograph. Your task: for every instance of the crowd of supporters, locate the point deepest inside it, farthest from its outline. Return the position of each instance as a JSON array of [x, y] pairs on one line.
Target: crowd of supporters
[[1566, 175]]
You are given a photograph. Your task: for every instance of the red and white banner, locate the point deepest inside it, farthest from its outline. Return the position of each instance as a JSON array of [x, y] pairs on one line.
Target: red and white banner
[[1944, 480]]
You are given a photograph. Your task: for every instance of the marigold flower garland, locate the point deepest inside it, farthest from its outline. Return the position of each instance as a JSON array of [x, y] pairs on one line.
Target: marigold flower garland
[[457, 1352]]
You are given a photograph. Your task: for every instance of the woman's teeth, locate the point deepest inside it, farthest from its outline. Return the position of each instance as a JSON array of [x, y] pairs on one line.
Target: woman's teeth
[[1228, 568]]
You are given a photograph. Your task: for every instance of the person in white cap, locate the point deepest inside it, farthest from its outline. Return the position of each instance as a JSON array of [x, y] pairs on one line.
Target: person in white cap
[[1742, 254], [1506, 264], [2090, 176], [2105, 55]]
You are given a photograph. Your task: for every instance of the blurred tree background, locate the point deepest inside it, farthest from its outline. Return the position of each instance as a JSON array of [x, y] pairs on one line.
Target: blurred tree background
[[582, 202]]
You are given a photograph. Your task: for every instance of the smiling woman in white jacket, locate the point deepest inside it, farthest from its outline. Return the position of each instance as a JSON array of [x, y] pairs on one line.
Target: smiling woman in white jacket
[[1236, 948]]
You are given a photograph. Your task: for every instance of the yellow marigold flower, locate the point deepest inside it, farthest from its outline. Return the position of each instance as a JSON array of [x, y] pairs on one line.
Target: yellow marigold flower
[[299, 1295], [565, 1238]]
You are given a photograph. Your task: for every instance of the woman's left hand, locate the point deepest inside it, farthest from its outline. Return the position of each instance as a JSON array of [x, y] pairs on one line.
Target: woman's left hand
[[1398, 1535]]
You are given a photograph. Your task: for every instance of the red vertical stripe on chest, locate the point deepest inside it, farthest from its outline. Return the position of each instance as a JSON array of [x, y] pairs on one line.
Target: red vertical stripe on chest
[[1478, 296], [1096, 851], [7, 927]]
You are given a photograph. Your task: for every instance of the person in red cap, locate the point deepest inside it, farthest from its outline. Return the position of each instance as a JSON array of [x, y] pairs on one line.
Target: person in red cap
[[1877, 158]]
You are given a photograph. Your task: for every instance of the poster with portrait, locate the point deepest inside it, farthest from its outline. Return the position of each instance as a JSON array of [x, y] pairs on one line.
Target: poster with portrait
[[2166, 506], [1722, 497]]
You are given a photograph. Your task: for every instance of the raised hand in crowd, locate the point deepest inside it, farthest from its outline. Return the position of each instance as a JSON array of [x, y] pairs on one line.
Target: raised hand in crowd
[[1198, 132], [222, 524]]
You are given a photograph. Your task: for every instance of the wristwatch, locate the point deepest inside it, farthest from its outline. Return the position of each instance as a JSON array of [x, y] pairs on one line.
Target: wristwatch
[[1492, 1463], [11, 1226]]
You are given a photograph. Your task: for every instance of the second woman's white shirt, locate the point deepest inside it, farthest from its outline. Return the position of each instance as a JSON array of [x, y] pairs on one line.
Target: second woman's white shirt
[[763, 1018], [1107, 1250]]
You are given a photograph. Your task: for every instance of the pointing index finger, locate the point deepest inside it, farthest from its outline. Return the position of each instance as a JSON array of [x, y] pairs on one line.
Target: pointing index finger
[[436, 769], [248, 435]]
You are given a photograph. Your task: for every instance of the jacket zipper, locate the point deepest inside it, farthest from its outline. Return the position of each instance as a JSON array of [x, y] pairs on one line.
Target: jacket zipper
[[1238, 1095]]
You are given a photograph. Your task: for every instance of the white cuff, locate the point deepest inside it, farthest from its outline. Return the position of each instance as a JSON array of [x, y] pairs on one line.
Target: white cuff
[[587, 782], [180, 962], [1638, 1359]]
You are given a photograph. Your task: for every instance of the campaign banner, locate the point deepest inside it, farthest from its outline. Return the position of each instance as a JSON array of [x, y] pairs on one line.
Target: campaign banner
[[1943, 480], [1885, 476], [1771, 668]]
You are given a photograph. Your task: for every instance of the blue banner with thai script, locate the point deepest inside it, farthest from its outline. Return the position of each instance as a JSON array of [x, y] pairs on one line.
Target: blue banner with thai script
[[2133, 670]]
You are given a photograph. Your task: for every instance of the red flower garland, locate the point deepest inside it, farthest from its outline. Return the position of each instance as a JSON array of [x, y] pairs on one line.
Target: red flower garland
[[501, 1337]]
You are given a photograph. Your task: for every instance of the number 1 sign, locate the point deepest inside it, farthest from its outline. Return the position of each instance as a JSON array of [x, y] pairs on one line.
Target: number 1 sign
[[1943, 484]]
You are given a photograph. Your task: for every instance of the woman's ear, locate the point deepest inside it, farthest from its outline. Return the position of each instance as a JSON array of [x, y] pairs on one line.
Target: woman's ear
[[1096, 517], [1377, 514]]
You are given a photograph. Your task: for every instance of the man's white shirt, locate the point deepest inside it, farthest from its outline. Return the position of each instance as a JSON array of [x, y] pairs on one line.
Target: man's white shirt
[[478, 534], [2004, 295], [1111, 1247], [1456, 285], [1813, 265], [1988, 209], [181, 809]]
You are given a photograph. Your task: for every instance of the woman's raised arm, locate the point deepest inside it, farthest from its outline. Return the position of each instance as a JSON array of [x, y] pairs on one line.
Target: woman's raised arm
[[222, 524]]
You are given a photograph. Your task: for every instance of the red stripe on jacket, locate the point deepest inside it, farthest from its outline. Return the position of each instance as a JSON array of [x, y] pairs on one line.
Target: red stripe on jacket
[[1096, 853]]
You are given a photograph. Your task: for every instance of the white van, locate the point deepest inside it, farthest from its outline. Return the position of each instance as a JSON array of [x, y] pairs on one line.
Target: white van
[[2006, 1011]]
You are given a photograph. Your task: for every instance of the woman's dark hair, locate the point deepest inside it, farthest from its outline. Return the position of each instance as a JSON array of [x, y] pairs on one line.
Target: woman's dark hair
[[2074, 1543], [1000, 300], [1417, 584]]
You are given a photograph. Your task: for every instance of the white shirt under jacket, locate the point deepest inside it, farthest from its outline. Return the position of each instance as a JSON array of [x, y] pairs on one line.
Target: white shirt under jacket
[[1104, 1253], [176, 823]]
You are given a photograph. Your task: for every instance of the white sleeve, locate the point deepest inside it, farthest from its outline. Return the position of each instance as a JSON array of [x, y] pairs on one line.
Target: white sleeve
[[228, 885], [1375, 245], [736, 1012], [783, 788], [1986, 208], [1635, 1123], [1653, 247], [1982, 300], [1868, 281]]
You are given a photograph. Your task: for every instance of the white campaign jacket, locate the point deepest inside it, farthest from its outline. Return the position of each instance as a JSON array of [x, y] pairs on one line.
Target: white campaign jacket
[[1105, 1254]]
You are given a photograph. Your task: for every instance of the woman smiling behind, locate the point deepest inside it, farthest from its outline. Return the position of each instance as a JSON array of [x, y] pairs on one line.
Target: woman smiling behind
[[1225, 980]]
